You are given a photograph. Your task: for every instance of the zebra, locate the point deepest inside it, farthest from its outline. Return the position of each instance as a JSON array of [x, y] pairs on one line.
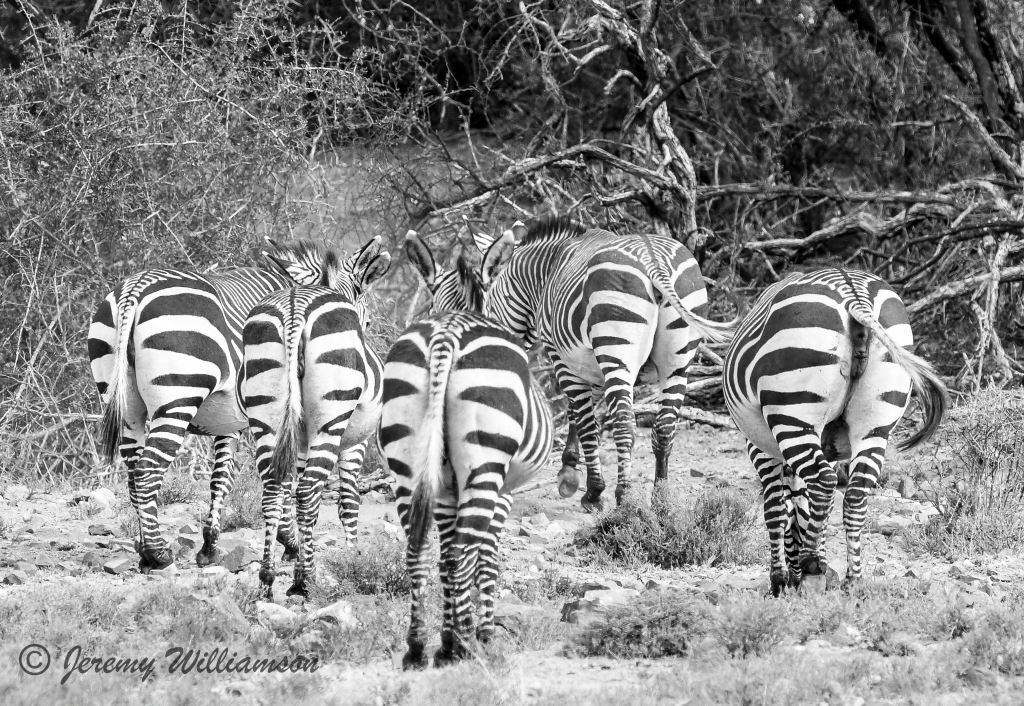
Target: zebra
[[310, 386], [607, 309], [165, 346], [819, 370], [463, 425], [456, 289]]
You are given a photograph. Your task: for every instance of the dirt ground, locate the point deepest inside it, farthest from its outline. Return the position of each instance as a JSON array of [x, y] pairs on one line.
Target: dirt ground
[[53, 546]]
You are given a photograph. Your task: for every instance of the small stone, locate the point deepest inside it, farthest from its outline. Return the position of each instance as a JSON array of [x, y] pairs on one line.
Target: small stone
[[103, 498], [238, 558], [101, 530], [25, 567], [17, 492], [15, 578], [215, 570], [119, 566], [907, 487], [187, 541], [539, 520], [272, 615], [540, 562], [538, 540], [593, 603], [91, 559], [188, 528], [524, 531], [338, 613], [169, 570], [694, 473]]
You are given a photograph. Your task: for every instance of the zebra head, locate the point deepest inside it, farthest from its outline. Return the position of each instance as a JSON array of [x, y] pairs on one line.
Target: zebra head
[[456, 289], [312, 264]]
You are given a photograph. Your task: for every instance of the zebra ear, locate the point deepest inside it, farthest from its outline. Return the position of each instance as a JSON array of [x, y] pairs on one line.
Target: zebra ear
[[482, 241], [497, 257], [421, 257], [364, 257], [377, 268], [298, 272], [519, 231]]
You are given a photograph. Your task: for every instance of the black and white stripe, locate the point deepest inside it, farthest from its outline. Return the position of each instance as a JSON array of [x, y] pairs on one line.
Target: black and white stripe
[[463, 425], [310, 387], [165, 346], [820, 369], [608, 310]]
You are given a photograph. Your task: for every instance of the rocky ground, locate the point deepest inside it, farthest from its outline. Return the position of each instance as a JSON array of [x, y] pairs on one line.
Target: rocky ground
[[54, 538]]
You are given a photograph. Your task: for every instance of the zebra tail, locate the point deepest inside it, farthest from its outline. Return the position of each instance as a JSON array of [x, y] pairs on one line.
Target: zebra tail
[[428, 468], [117, 398], [929, 388], [711, 331], [285, 454]]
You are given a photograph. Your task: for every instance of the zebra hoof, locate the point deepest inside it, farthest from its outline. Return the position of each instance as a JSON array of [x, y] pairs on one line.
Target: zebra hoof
[[298, 588], [779, 580], [411, 660], [568, 482], [291, 552], [207, 556], [444, 658], [155, 560], [591, 504], [813, 566]]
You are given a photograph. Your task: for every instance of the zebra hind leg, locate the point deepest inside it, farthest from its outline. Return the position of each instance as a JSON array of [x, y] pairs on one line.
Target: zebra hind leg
[[348, 494], [581, 400], [776, 515], [221, 480], [444, 516], [308, 497], [487, 573], [273, 503], [568, 477]]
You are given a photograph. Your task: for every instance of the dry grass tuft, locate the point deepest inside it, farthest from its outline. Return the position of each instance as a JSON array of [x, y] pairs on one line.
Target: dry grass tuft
[[716, 528]]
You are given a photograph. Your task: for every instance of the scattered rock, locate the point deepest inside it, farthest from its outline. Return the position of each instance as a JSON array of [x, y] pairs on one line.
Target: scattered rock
[[376, 497], [907, 487], [890, 525], [694, 473], [101, 530], [91, 559], [15, 578], [339, 613], [593, 603], [187, 541], [188, 528], [17, 492], [214, 570], [539, 520], [273, 616], [103, 499], [119, 565], [524, 531], [979, 677], [239, 557], [169, 570], [25, 567]]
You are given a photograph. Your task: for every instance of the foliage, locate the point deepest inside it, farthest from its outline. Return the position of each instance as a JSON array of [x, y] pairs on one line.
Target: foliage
[[717, 527], [978, 472]]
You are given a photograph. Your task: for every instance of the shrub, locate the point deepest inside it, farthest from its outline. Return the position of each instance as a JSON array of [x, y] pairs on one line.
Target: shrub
[[978, 478], [716, 528], [376, 567], [652, 627]]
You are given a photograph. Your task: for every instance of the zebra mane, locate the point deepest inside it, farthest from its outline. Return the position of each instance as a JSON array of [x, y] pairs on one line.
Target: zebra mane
[[469, 277], [302, 250], [551, 228]]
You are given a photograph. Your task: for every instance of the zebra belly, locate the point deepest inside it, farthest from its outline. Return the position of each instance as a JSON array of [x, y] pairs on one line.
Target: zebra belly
[[219, 415], [583, 363], [750, 420]]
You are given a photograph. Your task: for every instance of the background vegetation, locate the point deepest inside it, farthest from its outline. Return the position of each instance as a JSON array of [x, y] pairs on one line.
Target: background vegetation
[[767, 136]]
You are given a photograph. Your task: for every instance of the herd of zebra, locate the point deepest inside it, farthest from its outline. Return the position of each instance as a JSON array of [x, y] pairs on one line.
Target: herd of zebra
[[818, 370]]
